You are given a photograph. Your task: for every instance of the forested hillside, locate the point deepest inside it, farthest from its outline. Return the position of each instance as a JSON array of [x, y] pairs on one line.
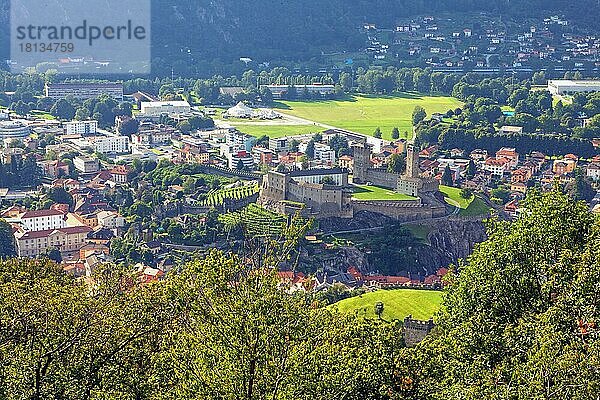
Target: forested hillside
[[217, 33]]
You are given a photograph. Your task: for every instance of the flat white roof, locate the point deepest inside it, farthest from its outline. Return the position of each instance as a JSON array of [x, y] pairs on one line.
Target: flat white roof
[[165, 104], [568, 82]]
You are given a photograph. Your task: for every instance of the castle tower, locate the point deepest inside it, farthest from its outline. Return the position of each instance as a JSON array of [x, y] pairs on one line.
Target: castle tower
[[362, 162], [412, 162]]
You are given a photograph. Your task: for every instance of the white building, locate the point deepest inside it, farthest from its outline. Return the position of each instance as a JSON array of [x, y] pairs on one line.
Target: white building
[[316, 176], [86, 165], [111, 144], [239, 141], [279, 145], [13, 130], [243, 156], [593, 172], [80, 127], [110, 219], [35, 221], [564, 86], [509, 129], [158, 108], [323, 152], [496, 167]]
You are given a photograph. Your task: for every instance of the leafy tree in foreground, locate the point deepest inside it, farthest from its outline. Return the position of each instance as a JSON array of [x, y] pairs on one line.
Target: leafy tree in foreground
[[520, 318], [244, 337]]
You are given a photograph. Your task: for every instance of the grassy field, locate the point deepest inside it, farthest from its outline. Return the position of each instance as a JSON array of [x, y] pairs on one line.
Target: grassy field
[[398, 304], [453, 197], [364, 114], [364, 192], [472, 207], [276, 131], [476, 208]]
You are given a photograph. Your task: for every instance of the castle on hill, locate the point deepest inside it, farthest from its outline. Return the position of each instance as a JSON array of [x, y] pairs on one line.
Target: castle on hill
[[411, 183], [324, 193]]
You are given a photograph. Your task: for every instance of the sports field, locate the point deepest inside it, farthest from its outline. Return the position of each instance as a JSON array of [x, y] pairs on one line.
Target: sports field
[[398, 304], [365, 192], [364, 114]]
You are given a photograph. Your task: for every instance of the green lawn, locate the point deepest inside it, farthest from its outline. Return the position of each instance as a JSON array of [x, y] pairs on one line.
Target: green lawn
[[398, 304], [453, 197], [468, 207], [276, 131], [364, 192], [476, 208], [364, 114], [42, 114]]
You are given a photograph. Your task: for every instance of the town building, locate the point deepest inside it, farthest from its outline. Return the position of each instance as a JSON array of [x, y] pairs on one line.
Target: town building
[[565, 86], [120, 174], [37, 243], [42, 220], [508, 129], [346, 162], [83, 128], [158, 108], [279, 145], [564, 166], [262, 156], [280, 91], [593, 172], [86, 165], [13, 130], [496, 166], [112, 144], [510, 154], [84, 91]]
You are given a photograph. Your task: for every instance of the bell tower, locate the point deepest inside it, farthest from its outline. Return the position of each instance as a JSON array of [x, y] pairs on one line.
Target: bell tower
[[362, 162], [412, 162]]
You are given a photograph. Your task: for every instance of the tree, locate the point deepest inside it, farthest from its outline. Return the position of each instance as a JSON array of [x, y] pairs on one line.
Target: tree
[[54, 255], [471, 169], [378, 309], [377, 134], [63, 109], [59, 341], [60, 196], [466, 193], [240, 165], [500, 194], [82, 114], [310, 150], [184, 126], [7, 240], [395, 134], [397, 163], [516, 318], [418, 115], [129, 126], [581, 189], [447, 178], [294, 145], [243, 337]]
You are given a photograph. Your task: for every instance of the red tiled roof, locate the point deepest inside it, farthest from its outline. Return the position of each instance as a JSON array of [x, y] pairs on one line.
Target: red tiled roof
[[41, 213], [69, 231]]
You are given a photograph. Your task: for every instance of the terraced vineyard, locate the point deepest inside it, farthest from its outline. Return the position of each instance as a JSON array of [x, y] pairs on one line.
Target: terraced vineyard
[[217, 197], [256, 221]]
